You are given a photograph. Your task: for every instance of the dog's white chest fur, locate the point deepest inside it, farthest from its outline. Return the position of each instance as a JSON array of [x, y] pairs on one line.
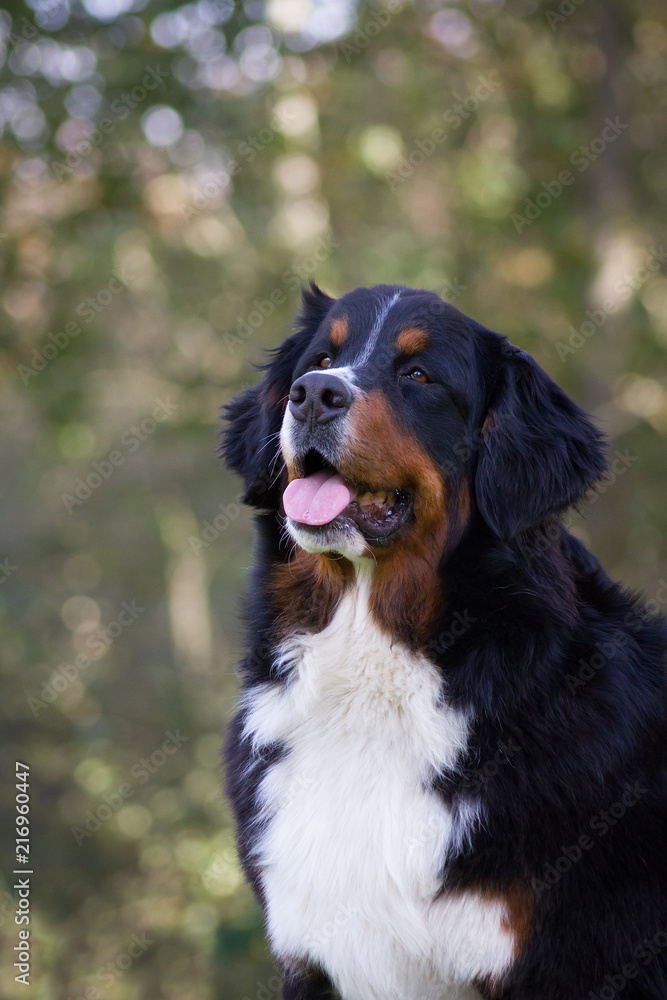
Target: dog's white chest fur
[[354, 841]]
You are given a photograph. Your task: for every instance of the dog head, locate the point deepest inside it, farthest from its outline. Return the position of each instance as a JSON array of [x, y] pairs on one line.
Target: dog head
[[389, 418]]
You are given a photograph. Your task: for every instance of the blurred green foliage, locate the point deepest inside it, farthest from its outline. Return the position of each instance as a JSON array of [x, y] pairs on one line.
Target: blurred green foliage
[[170, 177]]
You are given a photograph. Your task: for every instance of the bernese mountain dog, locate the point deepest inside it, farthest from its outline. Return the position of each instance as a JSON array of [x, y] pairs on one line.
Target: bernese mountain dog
[[447, 765]]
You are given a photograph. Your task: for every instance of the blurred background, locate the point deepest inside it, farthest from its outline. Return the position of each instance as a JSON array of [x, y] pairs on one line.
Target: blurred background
[[171, 176]]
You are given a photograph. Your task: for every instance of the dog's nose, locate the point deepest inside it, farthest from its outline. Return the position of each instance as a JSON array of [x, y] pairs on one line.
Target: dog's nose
[[318, 398]]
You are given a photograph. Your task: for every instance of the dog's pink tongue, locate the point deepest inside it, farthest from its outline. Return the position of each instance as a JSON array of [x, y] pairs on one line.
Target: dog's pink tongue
[[317, 499]]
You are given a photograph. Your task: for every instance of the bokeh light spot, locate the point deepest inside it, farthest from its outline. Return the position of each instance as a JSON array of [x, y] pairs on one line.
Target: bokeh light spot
[[162, 126], [381, 148], [80, 610]]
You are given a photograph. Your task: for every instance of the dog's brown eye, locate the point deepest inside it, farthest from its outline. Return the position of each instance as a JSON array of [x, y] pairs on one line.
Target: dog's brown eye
[[417, 375], [325, 362]]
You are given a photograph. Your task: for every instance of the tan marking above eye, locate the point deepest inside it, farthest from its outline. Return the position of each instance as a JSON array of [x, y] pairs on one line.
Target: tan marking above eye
[[339, 331], [411, 340]]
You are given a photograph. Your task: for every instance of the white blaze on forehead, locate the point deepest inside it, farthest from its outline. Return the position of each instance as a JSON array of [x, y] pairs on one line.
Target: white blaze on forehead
[[373, 336]]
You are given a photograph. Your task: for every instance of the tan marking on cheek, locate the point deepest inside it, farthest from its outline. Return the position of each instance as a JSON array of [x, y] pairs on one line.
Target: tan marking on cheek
[[305, 592], [411, 340], [406, 595], [383, 454], [292, 472], [340, 330]]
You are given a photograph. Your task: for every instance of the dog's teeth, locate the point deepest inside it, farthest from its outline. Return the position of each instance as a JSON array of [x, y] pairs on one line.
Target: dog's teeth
[[379, 504]]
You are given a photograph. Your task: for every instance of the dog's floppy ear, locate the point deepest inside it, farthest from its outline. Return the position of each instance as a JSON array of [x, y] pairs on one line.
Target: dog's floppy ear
[[539, 451], [251, 444]]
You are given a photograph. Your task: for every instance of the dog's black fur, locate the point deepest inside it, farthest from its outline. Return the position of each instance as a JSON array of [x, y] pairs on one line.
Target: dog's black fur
[[562, 672]]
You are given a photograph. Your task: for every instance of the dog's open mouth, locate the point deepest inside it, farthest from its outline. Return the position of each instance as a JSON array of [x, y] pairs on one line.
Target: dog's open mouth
[[322, 496]]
